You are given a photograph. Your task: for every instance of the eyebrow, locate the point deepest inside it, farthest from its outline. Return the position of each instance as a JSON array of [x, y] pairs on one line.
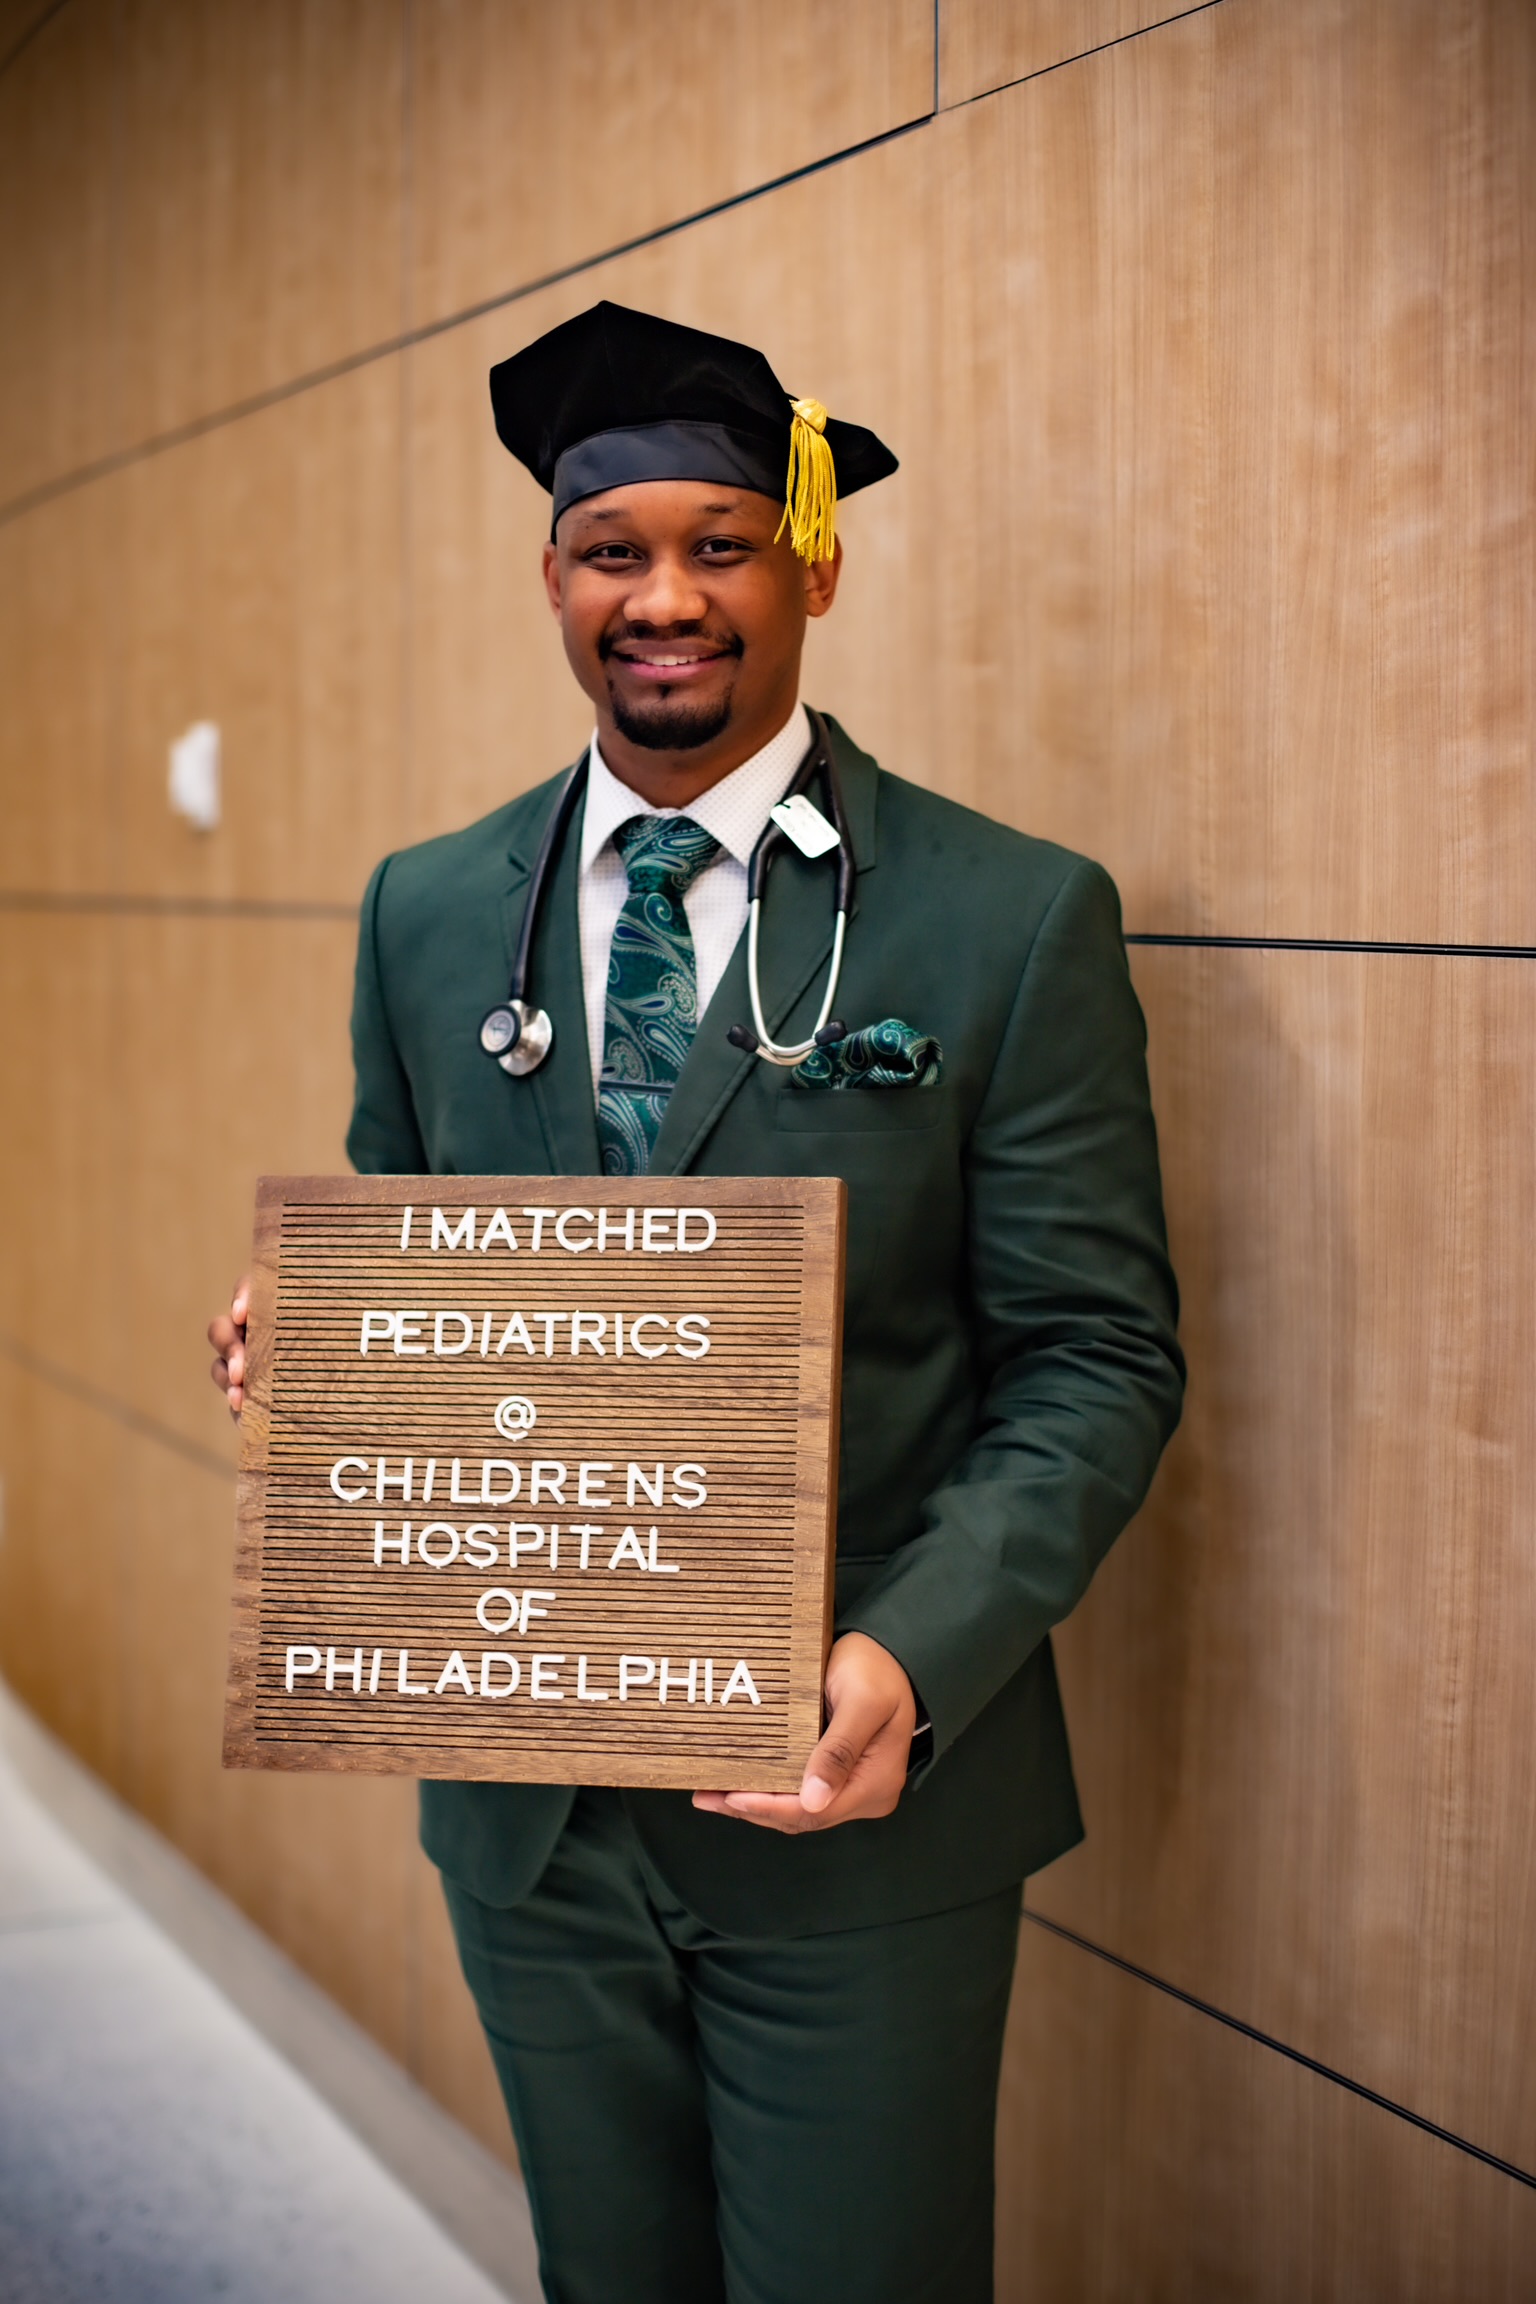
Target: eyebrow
[[723, 509]]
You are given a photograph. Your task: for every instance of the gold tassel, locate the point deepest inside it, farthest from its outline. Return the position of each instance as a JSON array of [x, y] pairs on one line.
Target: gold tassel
[[810, 507]]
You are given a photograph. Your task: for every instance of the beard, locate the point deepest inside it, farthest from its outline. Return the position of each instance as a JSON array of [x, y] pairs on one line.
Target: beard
[[670, 725]]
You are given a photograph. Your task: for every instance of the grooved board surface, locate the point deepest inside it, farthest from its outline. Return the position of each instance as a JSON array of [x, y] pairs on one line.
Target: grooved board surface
[[568, 1517]]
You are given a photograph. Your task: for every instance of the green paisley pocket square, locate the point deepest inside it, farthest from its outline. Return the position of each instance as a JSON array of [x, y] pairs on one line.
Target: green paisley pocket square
[[888, 1055]]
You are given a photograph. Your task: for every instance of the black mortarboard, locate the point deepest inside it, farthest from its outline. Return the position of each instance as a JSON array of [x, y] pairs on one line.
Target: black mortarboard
[[615, 396]]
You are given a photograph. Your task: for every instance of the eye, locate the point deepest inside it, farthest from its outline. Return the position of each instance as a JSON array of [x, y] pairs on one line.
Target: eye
[[610, 554], [717, 548]]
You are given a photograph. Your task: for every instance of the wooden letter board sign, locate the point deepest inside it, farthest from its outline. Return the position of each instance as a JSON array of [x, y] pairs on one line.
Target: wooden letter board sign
[[538, 1478]]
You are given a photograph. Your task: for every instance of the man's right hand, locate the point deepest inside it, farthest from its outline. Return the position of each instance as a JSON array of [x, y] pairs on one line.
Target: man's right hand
[[226, 1333]]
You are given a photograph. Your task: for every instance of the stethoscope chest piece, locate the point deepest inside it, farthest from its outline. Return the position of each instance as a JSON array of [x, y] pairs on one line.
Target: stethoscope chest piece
[[517, 1035]]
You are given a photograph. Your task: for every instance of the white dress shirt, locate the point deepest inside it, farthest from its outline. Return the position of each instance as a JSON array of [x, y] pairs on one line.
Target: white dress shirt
[[734, 810]]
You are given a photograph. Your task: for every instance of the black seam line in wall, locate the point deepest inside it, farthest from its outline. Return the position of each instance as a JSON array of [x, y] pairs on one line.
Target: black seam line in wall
[[106, 1404], [175, 907], [1341, 944], [45, 16], [1295, 2055], [1080, 56], [217, 418]]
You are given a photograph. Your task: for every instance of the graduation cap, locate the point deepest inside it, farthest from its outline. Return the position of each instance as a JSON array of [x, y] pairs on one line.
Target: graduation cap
[[616, 396]]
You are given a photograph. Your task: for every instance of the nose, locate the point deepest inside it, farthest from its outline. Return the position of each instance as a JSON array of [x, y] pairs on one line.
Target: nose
[[667, 592]]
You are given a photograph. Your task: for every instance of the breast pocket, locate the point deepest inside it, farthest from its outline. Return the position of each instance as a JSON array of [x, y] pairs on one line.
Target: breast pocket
[[858, 1111]]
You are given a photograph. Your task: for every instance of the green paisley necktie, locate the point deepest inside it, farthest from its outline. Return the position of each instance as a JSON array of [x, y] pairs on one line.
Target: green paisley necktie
[[653, 991]]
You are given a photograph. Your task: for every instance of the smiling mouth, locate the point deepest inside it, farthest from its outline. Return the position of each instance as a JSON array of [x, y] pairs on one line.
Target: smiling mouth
[[659, 663], [666, 663]]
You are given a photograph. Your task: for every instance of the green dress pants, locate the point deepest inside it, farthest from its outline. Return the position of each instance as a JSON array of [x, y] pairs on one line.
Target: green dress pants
[[705, 2119]]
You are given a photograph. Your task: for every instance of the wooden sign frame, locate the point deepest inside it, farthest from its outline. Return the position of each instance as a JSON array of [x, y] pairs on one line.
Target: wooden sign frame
[[648, 1369]]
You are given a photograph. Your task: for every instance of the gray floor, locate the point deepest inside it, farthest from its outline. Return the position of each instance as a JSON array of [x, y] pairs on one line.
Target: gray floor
[[153, 2147]]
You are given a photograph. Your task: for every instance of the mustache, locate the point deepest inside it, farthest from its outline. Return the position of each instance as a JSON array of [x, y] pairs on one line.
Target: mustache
[[727, 643]]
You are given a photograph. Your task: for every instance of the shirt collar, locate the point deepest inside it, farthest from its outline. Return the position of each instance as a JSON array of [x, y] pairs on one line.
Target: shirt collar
[[734, 810]]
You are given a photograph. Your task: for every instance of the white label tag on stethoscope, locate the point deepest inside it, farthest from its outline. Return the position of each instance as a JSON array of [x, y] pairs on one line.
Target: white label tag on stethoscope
[[805, 824]]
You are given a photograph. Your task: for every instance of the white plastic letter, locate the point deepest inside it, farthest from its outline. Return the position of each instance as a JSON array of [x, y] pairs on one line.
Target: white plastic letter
[[541, 1668], [607, 1223], [438, 1559], [660, 1567], [628, 1548], [591, 1487], [530, 1610], [740, 1683], [349, 1495], [499, 1593]]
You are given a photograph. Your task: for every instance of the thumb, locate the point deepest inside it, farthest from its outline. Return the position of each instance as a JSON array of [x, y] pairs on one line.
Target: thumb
[[855, 1720]]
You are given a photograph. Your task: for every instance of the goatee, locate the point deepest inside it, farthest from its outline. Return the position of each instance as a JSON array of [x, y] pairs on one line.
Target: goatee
[[670, 725]]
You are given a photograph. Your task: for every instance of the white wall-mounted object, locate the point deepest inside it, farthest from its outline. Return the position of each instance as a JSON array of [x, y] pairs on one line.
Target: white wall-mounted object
[[194, 779]]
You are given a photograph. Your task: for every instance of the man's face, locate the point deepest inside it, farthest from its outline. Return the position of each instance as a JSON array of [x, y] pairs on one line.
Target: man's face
[[682, 618]]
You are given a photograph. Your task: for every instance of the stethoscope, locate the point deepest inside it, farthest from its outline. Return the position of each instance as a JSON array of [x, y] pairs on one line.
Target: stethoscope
[[519, 1036]]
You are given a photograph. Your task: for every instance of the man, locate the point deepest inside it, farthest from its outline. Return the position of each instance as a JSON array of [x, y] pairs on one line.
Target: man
[[750, 2042]]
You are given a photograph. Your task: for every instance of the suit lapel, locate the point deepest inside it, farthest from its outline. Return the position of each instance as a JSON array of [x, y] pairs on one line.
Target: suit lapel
[[796, 944], [562, 1086]]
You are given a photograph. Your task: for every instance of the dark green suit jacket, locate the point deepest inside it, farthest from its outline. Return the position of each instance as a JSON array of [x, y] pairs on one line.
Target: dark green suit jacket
[[1010, 1366]]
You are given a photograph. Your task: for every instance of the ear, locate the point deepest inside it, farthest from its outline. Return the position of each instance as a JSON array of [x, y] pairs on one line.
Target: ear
[[552, 579], [821, 581]]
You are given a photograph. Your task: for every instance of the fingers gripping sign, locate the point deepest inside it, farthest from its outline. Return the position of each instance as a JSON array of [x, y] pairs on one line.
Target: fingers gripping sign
[[226, 1333], [860, 1766]]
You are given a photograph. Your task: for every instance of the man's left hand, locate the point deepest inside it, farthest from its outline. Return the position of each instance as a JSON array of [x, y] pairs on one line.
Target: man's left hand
[[860, 1765]]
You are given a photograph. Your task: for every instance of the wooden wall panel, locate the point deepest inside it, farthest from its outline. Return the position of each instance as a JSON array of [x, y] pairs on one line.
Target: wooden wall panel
[[58, 1246], [260, 229], [1148, 2155], [57, 403], [984, 44], [223, 1052], [1301, 1689], [65, 1569], [539, 138], [19, 19], [1258, 627], [267, 597], [61, 574], [1164, 573]]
